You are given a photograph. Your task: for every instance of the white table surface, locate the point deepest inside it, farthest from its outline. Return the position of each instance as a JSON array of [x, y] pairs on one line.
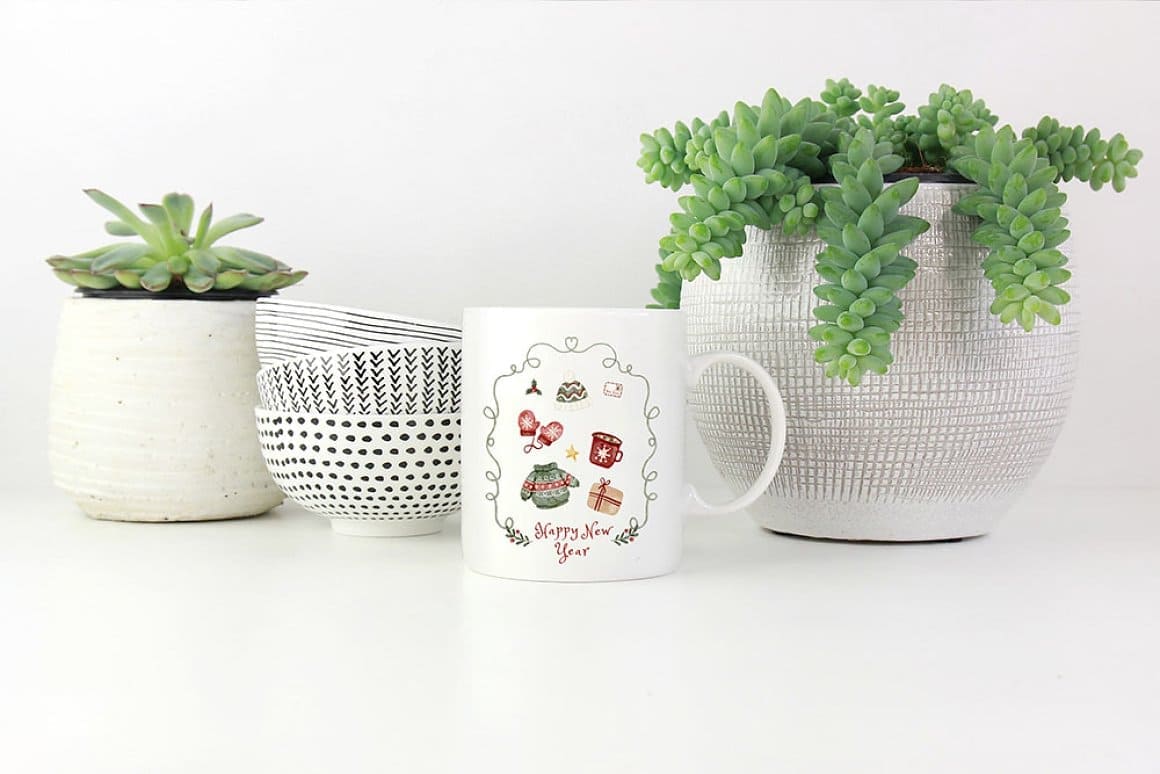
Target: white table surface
[[272, 644]]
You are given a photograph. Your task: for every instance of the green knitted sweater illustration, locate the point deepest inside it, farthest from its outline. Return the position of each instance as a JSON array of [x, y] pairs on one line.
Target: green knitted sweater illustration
[[547, 486]]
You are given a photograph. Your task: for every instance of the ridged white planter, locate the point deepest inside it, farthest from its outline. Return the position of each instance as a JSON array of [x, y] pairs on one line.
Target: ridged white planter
[[152, 410], [938, 448]]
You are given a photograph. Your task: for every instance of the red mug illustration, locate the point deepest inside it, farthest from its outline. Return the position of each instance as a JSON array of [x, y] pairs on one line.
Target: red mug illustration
[[605, 450]]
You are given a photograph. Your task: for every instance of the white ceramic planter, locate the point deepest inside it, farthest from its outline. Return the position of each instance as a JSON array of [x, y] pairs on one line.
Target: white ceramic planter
[[151, 411], [937, 449]]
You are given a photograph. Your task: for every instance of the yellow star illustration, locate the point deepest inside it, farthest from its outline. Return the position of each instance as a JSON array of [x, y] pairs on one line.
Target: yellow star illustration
[[571, 452]]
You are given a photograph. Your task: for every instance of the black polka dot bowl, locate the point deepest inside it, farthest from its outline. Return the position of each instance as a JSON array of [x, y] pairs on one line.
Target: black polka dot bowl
[[375, 475]]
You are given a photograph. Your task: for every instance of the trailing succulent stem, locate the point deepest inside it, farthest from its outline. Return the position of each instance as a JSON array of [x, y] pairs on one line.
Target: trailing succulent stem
[[663, 153], [819, 165], [1019, 205], [754, 171], [1084, 156], [171, 252], [945, 122], [862, 264]]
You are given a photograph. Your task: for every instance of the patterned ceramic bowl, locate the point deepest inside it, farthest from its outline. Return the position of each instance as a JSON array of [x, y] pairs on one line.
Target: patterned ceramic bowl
[[387, 379], [289, 329], [375, 475]]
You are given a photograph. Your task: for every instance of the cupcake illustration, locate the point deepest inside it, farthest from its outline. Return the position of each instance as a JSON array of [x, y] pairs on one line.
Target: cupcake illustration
[[572, 395]]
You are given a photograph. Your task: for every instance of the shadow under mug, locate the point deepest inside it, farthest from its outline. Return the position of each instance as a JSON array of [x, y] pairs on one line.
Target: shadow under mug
[[600, 494]]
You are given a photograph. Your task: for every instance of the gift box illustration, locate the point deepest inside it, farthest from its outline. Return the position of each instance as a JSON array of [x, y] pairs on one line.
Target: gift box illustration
[[605, 450], [604, 498], [547, 486]]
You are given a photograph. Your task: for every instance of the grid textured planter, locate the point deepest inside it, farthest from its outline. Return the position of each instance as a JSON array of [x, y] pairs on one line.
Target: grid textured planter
[[938, 448]]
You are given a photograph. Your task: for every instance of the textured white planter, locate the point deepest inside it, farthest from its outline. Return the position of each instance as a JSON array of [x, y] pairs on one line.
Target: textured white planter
[[938, 448], [151, 415]]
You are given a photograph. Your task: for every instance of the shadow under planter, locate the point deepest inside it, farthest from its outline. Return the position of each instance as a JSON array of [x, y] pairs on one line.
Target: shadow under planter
[[151, 407], [938, 448]]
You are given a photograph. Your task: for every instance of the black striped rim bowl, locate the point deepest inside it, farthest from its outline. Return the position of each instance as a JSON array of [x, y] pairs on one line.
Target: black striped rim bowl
[[289, 329]]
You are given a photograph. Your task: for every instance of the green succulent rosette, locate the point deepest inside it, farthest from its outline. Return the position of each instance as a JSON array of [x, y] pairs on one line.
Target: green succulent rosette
[[171, 253]]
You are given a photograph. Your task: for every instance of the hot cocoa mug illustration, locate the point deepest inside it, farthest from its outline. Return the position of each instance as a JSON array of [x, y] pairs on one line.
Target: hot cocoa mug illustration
[[605, 450]]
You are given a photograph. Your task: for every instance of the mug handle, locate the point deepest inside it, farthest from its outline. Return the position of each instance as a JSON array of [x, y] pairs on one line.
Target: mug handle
[[697, 367]]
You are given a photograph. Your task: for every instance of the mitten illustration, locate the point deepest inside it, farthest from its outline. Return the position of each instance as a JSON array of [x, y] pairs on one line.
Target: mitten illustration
[[540, 435]]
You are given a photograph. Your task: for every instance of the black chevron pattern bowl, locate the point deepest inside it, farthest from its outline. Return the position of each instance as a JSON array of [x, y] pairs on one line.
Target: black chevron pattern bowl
[[386, 379], [284, 329]]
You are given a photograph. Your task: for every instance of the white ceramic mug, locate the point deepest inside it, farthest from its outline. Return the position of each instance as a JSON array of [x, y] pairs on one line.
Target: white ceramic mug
[[574, 441]]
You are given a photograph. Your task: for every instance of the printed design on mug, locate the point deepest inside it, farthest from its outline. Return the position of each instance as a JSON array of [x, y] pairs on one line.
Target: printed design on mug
[[540, 435], [606, 450], [604, 498], [572, 395], [548, 486]]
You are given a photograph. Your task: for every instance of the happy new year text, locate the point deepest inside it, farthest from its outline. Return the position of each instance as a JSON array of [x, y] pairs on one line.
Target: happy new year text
[[566, 537]]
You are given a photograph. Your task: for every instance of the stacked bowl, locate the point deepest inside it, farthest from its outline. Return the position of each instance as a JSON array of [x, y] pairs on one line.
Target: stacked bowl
[[359, 415]]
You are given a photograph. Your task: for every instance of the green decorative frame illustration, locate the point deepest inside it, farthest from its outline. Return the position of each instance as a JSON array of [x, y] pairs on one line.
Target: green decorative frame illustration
[[612, 360]]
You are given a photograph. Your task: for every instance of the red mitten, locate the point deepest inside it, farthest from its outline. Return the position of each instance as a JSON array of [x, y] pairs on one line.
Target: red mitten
[[528, 424], [550, 433]]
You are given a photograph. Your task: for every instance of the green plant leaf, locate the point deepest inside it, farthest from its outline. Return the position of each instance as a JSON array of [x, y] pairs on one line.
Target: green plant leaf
[[69, 262], [157, 277], [160, 218], [124, 256], [129, 278], [86, 279], [117, 228], [180, 208], [229, 279], [205, 261], [197, 280], [237, 258], [143, 229], [228, 226], [203, 224]]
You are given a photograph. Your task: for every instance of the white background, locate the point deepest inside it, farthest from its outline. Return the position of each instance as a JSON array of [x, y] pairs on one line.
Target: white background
[[422, 158], [425, 157]]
